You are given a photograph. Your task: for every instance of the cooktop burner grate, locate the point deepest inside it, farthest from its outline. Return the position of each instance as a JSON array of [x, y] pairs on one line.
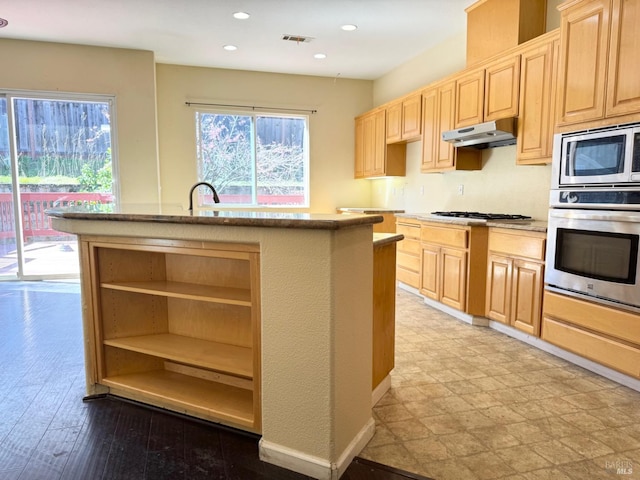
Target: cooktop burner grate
[[482, 216]]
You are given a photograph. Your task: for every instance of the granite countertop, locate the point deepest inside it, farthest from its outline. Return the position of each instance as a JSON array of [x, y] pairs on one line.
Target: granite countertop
[[236, 218], [381, 239], [530, 225], [369, 210]]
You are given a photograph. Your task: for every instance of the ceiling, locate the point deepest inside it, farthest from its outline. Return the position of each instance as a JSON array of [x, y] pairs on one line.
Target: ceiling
[[193, 32]]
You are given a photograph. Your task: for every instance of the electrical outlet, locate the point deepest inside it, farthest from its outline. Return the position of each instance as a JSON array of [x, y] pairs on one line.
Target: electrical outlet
[[461, 189], [422, 190]]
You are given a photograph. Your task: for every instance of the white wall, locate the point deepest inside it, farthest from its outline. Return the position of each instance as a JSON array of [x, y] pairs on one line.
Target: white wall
[[337, 102], [127, 74], [500, 187]]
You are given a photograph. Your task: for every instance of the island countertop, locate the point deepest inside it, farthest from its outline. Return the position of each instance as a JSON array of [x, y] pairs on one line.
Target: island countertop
[[236, 218]]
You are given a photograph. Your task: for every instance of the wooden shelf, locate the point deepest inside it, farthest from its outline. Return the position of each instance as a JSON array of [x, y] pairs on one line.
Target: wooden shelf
[[190, 395], [189, 291], [221, 357]]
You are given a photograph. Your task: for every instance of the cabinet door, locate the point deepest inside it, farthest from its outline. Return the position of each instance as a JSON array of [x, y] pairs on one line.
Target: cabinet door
[[430, 138], [394, 122], [380, 143], [411, 117], [526, 297], [445, 152], [430, 283], [535, 122], [359, 153], [501, 87], [584, 32], [499, 288], [623, 87], [454, 278], [469, 99], [368, 144]]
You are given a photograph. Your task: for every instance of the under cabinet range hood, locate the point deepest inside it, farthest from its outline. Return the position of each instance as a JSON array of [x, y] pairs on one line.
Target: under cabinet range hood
[[496, 133]]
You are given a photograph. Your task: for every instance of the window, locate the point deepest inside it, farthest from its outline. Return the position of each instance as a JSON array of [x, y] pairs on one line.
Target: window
[[254, 159]]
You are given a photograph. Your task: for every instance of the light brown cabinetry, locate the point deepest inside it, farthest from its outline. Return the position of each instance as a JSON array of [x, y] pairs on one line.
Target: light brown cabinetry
[[497, 25], [515, 278], [373, 157], [384, 308], [603, 334], [453, 268], [176, 324], [404, 119], [488, 93], [408, 252], [599, 62], [538, 80], [438, 106]]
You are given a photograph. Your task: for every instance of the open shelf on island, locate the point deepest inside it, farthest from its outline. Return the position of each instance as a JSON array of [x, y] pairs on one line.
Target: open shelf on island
[[221, 357], [189, 291], [178, 325], [186, 394]]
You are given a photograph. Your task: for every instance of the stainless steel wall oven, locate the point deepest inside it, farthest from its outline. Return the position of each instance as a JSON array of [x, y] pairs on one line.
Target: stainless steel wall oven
[[594, 216]]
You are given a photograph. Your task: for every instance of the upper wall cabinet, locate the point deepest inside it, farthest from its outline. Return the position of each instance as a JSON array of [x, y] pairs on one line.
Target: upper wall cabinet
[[438, 104], [538, 72], [488, 93], [404, 119], [373, 157], [599, 62], [494, 26]]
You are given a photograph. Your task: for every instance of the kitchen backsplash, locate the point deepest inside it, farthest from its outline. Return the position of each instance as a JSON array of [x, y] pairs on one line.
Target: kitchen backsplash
[[500, 187]]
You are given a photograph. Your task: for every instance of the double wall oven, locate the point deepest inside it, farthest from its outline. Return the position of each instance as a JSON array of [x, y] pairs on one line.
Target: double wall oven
[[594, 216]]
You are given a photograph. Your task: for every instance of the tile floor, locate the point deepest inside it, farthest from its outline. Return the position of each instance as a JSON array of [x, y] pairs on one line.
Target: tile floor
[[471, 403]]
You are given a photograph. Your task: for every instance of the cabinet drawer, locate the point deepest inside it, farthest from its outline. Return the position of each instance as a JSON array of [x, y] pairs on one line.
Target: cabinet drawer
[[407, 277], [517, 244], [409, 231], [618, 356], [410, 262], [410, 246], [610, 321], [450, 236]]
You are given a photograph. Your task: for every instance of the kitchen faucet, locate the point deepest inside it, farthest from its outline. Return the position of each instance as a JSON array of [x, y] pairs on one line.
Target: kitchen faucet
[[215, 194]]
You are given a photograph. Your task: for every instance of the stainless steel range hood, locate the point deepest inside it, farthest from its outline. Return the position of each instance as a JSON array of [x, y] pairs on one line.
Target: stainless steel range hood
[[496, 133]]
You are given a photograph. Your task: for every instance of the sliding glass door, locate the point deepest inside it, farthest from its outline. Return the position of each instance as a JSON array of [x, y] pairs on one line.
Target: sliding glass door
[[54, 151]]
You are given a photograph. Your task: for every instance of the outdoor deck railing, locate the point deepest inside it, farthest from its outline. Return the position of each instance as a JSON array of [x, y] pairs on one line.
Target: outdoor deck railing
[[35, 223]]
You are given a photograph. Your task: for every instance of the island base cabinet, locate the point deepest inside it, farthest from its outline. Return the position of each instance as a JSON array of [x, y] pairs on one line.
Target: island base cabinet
[[176, 325]]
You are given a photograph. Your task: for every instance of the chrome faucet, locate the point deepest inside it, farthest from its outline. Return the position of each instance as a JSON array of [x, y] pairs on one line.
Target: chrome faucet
[[215, 194]]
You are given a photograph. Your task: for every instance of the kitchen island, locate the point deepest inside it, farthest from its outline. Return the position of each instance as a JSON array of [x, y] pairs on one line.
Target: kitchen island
[[257, 320]]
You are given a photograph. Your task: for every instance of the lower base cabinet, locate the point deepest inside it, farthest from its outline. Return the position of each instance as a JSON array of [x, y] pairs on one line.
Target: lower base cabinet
[[515, 278], [176, 324], [606, 335]]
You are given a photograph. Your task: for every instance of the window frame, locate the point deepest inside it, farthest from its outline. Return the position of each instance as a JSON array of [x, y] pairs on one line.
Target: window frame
[[253, 115]]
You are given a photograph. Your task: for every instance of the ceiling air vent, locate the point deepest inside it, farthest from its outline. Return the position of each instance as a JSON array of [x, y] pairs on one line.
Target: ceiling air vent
[[297, 38]]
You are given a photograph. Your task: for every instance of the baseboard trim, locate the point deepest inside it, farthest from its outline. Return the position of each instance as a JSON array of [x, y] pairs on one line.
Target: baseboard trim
[[382, 388], [585, 363], [465, 317], [313, 466]]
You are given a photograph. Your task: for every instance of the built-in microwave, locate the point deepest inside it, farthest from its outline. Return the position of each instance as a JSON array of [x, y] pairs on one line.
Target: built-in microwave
[[605, 156]]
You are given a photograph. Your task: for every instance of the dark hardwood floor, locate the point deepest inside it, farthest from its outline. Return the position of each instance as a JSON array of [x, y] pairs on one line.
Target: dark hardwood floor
[[47, 432]]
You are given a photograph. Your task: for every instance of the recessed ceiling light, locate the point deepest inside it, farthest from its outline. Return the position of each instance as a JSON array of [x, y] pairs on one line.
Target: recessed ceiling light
[[3, 22], [349, 27], [319, 56], [241, 15], [230, 48]]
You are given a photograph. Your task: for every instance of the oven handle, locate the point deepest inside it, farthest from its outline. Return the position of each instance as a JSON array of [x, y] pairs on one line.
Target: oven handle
[[603, 215]]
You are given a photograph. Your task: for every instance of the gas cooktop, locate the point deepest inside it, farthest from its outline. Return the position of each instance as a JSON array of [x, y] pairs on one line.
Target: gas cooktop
[[481, 216]]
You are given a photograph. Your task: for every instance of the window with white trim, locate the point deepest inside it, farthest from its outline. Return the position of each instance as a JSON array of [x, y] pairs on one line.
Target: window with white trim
[[254, 159]]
